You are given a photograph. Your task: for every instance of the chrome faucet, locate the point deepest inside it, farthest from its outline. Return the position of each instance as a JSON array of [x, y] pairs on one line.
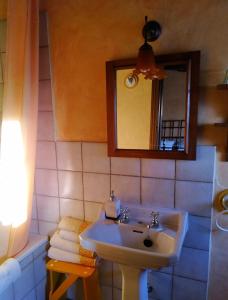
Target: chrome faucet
[[124, 217], [155, 220]]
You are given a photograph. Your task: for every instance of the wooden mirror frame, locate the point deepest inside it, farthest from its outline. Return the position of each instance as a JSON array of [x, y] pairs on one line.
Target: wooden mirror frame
[[192, 59]]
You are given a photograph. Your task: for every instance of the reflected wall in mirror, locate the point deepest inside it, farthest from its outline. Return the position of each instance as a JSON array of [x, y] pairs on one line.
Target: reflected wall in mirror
[[153, 118]]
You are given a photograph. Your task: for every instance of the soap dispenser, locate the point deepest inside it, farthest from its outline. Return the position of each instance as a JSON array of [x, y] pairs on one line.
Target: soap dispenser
[[112, 207]]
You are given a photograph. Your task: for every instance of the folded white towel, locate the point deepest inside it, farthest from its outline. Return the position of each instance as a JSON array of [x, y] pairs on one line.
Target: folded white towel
[[10, 270], [73, 247], [62, 255], [69, 236], [58, 242], [70, 224]]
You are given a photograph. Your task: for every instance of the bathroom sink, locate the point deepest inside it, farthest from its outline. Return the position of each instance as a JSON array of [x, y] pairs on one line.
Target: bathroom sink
[[124, 243]]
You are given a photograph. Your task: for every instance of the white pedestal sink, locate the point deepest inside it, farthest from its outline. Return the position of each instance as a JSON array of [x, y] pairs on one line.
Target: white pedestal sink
[[124, 244]]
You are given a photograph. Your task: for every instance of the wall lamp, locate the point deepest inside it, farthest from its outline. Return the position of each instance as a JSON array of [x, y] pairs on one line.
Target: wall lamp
[[146, 63]]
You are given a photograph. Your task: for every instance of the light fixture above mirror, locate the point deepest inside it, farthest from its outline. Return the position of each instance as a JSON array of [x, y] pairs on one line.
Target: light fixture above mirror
[[146, 63]]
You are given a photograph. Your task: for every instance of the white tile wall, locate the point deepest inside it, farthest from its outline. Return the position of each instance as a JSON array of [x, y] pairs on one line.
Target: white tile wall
[[47, 228], [125, 166], [72, 208], [34, 207], [96, 187], [92, 211], [158, 168], [45, 126], [46, 182], [44, 68], [202, 169], [45, 103], [158, 192], [46, 155], [95, 158], [127, 188], [69, 156], [34, 228], [70, 185], [194, 197], [48, 208]]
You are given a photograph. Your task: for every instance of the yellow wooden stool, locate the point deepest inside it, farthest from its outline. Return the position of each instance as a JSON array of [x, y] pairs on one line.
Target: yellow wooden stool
[[74, 271]]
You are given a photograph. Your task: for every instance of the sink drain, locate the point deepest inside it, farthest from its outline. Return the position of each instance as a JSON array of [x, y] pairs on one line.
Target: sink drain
[[148, 243]]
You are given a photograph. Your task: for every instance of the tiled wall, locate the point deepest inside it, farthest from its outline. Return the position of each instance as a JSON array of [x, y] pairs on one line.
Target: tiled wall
[[32, 283], [75, 179]]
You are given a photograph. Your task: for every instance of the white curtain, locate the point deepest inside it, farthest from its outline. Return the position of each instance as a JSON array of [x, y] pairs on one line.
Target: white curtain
[[19, 122]]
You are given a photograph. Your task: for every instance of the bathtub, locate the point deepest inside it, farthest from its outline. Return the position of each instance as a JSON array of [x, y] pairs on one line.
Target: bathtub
[[32, 282]]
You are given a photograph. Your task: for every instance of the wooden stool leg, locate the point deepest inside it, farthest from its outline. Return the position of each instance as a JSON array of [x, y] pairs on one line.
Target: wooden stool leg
[[55, 295], [91, 287]]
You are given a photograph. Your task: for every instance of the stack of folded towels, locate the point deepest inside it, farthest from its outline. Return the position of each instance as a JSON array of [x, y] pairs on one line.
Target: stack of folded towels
[[65, 243]]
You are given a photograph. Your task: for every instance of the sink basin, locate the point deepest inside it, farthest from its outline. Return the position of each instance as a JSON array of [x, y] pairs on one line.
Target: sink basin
[[124, 243]]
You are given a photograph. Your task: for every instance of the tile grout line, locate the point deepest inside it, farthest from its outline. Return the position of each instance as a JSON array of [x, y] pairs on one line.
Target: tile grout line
[[110, 174], [57, 180], [83, 186], [140, 181], [124, 175], [175, 177]]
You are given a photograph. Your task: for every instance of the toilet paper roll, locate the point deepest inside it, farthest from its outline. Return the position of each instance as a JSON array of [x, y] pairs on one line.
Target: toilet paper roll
[[10, 271]]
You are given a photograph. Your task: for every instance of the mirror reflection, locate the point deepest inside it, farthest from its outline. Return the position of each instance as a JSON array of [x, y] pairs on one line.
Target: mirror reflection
[[151, 114]]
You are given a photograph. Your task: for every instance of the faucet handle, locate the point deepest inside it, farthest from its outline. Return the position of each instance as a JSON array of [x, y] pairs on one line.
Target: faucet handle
[[155, 214], [124, 210], [154, 221], [124, 218]]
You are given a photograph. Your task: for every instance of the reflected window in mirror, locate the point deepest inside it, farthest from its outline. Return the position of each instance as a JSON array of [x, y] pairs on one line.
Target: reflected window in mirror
[[153, 118]]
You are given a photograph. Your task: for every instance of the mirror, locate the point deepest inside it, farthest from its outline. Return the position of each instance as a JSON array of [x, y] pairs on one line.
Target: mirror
[[153, 118]]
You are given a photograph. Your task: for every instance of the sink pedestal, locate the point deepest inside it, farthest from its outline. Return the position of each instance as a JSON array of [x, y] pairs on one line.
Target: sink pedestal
[[134, 284]]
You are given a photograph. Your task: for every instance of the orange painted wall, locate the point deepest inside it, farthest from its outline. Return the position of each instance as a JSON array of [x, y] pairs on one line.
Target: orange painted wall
[[85, 34], [3, 9]]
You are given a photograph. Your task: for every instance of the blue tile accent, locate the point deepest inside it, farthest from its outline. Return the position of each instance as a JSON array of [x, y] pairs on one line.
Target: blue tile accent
[[161, 285], [42, 248], [187, 289], [7, 294], [31, 296], [40, 267], [41, 290], [25, 283], [26, 261], [198, 235], [193, 264]]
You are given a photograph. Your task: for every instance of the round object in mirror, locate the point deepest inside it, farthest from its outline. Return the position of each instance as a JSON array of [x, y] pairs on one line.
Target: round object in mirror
[[223, 199], [131, 80]]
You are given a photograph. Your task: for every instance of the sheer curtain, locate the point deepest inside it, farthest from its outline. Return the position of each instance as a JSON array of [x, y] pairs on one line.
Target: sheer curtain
[[19, 122]]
